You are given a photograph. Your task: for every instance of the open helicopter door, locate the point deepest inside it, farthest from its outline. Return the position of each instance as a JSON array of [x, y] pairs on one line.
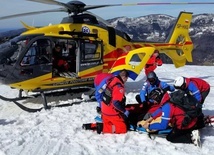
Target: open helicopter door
[[134, 61], [89, 57]]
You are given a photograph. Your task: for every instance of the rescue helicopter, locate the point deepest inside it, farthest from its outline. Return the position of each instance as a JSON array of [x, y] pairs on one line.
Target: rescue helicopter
[[89, 45]]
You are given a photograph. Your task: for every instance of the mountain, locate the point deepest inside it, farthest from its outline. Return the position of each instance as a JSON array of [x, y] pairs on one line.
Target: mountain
[[156, 27], [10, 33]]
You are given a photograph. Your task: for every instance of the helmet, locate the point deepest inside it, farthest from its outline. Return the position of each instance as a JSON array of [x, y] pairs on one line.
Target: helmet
[[156, 95], [152, 78], [180, 83]]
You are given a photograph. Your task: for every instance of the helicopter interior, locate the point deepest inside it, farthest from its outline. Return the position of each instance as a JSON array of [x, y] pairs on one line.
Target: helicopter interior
[[40, 54]]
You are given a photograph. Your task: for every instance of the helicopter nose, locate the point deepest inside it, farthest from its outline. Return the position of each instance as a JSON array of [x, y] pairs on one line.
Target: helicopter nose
[[3, 73], [7, 50]]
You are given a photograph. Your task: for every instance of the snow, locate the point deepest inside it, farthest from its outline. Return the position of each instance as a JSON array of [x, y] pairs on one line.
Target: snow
[[58, 131]]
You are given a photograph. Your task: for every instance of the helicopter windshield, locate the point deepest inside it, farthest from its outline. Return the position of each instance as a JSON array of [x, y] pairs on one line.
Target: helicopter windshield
[[10, 50], [38, 52]]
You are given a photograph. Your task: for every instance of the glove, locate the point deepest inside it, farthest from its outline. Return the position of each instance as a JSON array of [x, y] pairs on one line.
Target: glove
[[98, 110], [125, 117], [144, 102], [141, 123], [126, 113]]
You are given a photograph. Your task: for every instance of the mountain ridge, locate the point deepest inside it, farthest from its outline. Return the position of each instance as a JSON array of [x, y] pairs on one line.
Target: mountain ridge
[[156, 27]]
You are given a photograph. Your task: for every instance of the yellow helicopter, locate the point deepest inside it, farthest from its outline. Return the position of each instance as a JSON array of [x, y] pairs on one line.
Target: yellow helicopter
[[88, 45]]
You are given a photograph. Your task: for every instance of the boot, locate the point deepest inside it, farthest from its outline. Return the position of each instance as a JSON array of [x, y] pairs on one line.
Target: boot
[[89, 126], [99, 128]]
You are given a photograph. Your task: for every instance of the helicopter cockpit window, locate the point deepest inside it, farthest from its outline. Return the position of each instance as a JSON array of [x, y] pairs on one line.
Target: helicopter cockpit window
[[10, 50], [30, 57], [38, 53]]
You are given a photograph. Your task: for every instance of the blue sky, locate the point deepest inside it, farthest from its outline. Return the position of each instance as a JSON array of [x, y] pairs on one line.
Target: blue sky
[[9, 7]]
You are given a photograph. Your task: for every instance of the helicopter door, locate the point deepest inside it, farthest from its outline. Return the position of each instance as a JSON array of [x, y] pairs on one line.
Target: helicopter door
[[89, 57], [133, 62]]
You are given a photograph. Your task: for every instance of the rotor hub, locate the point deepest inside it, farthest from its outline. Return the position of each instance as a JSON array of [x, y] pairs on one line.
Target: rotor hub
[[75, 7]]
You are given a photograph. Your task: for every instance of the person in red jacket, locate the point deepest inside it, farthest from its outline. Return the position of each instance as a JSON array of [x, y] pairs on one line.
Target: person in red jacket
[[100, 83], [196, 87], [170, 114], [153, 62], [113, 113], [59, 63]]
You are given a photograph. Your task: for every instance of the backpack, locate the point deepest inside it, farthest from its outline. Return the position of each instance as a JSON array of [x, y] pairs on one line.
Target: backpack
[[188, 104], [107, 94]]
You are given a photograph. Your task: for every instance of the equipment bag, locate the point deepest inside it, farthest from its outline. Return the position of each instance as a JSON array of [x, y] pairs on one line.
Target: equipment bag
[[107, 94], [188, 103]]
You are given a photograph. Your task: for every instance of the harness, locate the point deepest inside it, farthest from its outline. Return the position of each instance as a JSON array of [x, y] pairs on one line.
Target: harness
[[107, 94]]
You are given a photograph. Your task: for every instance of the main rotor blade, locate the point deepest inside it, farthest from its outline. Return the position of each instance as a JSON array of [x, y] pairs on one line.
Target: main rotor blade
[[33, 13], [71, 6], [52, 2], [89, 7], [164, 3]]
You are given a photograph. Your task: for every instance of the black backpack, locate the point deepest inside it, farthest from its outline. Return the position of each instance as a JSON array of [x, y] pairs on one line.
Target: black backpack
[[188, 103], [107, 94]]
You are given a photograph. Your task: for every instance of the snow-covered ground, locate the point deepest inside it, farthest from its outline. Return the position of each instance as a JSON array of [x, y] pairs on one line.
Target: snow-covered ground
[[58, 131]]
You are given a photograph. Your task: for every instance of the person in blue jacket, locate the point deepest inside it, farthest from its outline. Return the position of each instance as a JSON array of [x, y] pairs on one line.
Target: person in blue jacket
[[152, 83], [171, 115]]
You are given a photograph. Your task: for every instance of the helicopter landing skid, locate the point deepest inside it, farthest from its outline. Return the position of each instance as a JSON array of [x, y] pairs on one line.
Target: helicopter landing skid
[[14, 99], [43, 95], [45, 106]]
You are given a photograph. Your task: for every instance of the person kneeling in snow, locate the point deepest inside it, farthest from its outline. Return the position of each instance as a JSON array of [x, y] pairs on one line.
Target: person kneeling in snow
[[174, 116], [113, 112]]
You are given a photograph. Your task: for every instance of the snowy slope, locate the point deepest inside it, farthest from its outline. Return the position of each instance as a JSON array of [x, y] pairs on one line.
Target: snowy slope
[[58, 131]]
